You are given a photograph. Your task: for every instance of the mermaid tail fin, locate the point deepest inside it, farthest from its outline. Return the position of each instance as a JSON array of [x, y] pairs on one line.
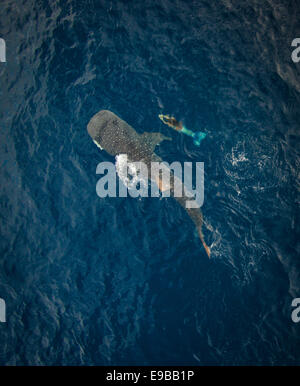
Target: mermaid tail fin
[[197, 137]]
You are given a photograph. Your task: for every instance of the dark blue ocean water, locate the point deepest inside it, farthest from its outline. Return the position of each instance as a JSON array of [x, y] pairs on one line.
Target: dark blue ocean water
[[125, 281]]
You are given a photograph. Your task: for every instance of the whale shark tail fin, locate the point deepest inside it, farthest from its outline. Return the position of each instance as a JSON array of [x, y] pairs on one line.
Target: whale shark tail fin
[[196, 216], [206, 247], [198, 222]]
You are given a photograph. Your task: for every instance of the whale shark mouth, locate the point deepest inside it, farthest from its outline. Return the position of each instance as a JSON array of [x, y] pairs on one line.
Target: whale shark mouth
[[98, 145]]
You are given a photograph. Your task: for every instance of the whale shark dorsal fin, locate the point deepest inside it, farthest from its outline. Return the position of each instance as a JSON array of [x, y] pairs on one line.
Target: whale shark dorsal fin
[[154, 139]]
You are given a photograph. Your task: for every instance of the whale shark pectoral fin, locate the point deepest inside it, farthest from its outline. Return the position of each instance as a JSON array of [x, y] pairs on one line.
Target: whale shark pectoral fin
[[154, 139], [98, 144]]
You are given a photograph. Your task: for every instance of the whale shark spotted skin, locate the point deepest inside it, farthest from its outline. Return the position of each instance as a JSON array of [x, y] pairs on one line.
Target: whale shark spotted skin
[[115, 136]]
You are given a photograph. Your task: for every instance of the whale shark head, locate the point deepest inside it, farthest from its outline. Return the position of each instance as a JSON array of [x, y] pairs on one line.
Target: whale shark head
[[116, 136], [110, 133]]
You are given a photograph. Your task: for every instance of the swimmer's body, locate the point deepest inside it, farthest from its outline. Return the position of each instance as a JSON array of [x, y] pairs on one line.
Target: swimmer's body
[[172, 122]]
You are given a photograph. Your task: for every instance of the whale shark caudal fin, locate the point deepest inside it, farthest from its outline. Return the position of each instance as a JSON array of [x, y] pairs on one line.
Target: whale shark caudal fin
[[197, 218], [206, 247], [195, 215], [198, 224]]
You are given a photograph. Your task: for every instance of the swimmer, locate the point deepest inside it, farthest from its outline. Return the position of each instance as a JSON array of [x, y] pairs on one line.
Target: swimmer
[[172, 122]]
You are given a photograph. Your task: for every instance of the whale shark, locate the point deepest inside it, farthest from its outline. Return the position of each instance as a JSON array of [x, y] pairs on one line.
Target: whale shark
[[116, 137]]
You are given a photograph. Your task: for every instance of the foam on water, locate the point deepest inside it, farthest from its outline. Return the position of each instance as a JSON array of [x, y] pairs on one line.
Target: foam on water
[[130, 173]]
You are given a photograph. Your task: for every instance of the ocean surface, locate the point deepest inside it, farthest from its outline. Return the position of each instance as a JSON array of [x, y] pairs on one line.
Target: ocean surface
[[124, 281]]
